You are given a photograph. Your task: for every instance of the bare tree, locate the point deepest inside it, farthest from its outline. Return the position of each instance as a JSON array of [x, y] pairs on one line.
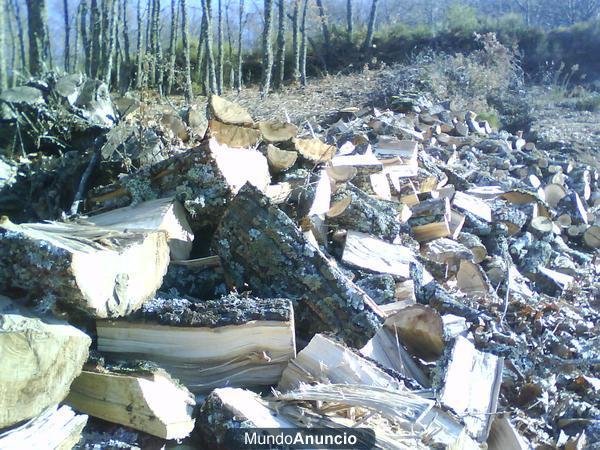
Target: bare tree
[[349, 20], [171, 73], [16, 9], [95, 37], [304, 33], [67, 35], [280, 72], [111, 45], [3, 72], [324, 28], [38, 39], [140, 47], [83, 30], [211, 83], [296, 41], [189, 96], [267, 60], [368, 43], [126, 44], [220, 54], [239, 80]]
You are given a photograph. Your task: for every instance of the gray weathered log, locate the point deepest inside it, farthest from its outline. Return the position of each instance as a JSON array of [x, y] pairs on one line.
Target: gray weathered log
[[261, 249]]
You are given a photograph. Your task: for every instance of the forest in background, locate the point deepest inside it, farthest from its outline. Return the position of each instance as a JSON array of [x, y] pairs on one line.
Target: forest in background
[[201, 46]]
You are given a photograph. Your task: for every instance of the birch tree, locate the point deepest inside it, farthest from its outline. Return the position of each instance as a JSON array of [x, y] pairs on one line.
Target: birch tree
[[303, 44], [368, 43], [172, 43], [67, 35], [211, 81], [296, 41], [16, 9], [220, 55], [349, 20], [324, 28], [111, 44], [186, 53], [140, 47], [267, 59], [239, 80], [3, 72]]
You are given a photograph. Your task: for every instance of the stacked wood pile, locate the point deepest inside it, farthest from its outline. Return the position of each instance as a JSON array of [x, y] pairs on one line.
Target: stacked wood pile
[[411, 271]]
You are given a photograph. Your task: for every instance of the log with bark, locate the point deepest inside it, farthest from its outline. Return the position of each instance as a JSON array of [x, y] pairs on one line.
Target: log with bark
[[140, 396], [40, 358], [262, 249], [164, 214], [102, 272], [234, 341], [204, 179], [56, 428]]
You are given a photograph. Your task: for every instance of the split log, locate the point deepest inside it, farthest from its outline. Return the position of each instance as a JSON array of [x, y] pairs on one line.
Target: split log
[[572, 205], [426, 228], [552, 282], [162, 214], [233, 135], [234, 341], [472, 279], [367, 252], [229, 112], [431, 207], [354, 209], [274, 131], [102, 272], [473, 205], [456, 223], [471, 386], [54, 429], [204, 179], [446, 251], [591, 237], [474, 244], [259, 245], [324, 360], [280, 160], [388, 146], [40, 358], [541, 226], [553, 193], [314, 150], [504, 436], [144, 398]]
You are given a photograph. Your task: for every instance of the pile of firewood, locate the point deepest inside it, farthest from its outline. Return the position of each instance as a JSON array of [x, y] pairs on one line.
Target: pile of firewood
[[410, 270]]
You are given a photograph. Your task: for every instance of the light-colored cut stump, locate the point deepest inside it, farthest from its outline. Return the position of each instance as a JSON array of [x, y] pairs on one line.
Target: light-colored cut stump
[[229, 112], [273, 131], [39, 359], [314, 150], [280, 160], [233, 135]]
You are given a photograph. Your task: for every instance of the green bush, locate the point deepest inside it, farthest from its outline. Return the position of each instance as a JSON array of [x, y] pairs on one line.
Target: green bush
[[589, 103]]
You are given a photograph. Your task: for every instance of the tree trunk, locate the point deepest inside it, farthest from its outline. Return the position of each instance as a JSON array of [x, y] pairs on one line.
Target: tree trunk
[[36, 22], [110, 47], [296, 41], [13, 48], [158, 56], [303, 45], [20, 34], [105, 36], [75, 59], [324, 28], [189, 96], [371, 29], [139, 46], [95, 36], [280, 73], [171, 73], [220, 55], [239, 53], [349, 24], [126, 44], [87, 54], [267, 60], [67, 36], [210, 62], [3, 73]]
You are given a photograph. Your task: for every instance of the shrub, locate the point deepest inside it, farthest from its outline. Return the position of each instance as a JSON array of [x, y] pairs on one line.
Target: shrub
[[589, 103]]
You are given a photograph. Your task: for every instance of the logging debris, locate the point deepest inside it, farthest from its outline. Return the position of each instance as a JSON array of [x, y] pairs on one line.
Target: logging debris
[[409, 270]]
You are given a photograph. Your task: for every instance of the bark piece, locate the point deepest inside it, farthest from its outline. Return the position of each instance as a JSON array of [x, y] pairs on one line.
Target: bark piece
[[229, 112], [367, 252], [149, 401], [314, 150], [273, 131], [471, 386], [280, 160], [203, 179], [324, 360], [233, 135], [473, 205], [234, 408], [54, 429], [474, 244], [233, 341], [164, 214], [102, 272], [259, 245], [40, 358]]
